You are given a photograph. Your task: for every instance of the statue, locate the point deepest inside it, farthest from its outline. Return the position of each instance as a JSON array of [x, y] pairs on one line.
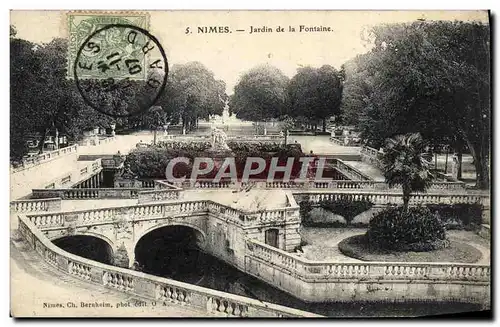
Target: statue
[[219, 139], [454, 167], [127, 172]]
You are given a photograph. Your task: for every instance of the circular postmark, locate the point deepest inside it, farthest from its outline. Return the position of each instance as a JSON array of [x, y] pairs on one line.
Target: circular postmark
[[121, 70]]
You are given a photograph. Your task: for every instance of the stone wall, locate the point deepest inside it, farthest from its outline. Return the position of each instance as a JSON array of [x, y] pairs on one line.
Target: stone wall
[[137, 284], [368, 281], [50, 168]]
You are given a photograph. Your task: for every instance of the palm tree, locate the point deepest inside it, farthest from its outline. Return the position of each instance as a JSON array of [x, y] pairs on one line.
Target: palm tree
[[404, 165]]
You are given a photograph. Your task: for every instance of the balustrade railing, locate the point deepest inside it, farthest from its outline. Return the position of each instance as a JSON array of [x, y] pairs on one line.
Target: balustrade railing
[[395, 198], [341, 141], [350, 172], [312, 184], [323, 270], [370, 151], [155, 210], [159, 195], [44, 157], [164, 185], [35, 205], [151, 287], [116, 214], [207, 138], [88, 193]]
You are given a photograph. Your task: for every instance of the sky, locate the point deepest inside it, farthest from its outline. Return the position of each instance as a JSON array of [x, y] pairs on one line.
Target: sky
[[229, 55]]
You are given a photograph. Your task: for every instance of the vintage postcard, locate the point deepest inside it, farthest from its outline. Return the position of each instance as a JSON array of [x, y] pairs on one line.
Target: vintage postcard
[[248, 164]]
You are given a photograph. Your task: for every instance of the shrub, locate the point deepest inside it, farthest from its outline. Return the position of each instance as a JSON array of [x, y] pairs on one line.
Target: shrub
[[343, 207], [151, 162], [346, 208], [418, 229], [458, 215], [120, 258], [305, 208]]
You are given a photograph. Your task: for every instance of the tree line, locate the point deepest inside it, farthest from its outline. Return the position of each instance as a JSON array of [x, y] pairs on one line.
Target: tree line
[[43, 99], [431, 78], [312, 95]]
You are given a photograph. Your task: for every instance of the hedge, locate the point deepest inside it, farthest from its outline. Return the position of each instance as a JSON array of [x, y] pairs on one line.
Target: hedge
[[417, 229]]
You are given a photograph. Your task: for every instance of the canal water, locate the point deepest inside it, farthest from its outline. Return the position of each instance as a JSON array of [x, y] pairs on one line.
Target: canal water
[[173, 256]]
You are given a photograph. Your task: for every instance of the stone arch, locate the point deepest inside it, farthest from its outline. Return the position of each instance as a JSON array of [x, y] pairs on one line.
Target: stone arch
[[87, 245], [96, 235], [200, 234], [147, 254]]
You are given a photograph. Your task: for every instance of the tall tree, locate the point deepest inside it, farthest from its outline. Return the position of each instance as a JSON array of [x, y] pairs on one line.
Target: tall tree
[[42, 98], [260, 94], [193, 93], [427, 77], [315, 93], [24, 65]]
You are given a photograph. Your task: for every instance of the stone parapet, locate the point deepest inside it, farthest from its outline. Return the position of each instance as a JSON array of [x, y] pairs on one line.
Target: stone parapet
[[151, 287]]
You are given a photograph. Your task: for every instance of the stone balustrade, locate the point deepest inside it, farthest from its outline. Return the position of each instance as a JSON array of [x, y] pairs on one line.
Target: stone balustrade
[[337, 140], [313, 270], [369, 151], [211, 184], [207, 138], [372, 156], [159, 210], [351, 172], [340, 140], [368, 281], [393, 198], [151, 287], [36, 205], [159, 195], [88, 193], [44, 157], [311, 184], [75, 177], [116, 214], [164, 184]]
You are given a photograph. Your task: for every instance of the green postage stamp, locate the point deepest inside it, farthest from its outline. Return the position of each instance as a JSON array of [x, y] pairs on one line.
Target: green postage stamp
[[86, 26]]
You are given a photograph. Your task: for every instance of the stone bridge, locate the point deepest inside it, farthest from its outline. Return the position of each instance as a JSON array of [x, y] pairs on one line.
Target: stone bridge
[[240, 239], [220, 230]]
